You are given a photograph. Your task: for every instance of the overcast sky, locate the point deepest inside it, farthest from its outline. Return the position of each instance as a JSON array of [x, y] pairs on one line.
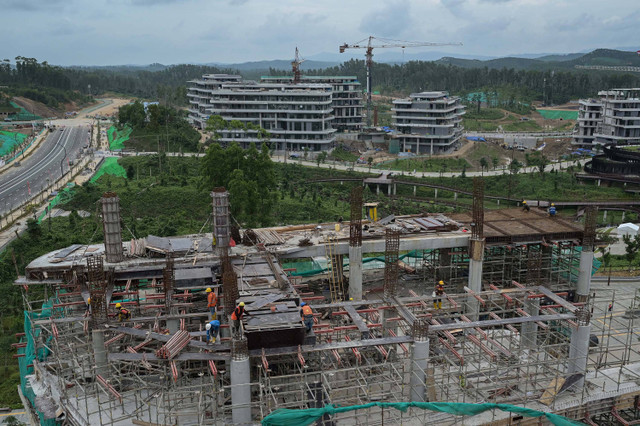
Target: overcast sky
[[104, 32]]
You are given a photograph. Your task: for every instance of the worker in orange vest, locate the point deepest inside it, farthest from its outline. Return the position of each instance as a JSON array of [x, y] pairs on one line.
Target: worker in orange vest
[[236, 317], [123, 314], [307, 314], [212, 302]]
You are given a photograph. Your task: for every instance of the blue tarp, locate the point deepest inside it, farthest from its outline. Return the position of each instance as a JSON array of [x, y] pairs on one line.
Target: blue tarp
[[476, 138]]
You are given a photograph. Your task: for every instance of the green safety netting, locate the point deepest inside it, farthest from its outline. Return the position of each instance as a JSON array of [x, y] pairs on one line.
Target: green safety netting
[[117, 138], [8, 140], [110, 166], [25, 363], [62, 197], [23, 115], [552, 114], [288, 417], [310, 268]]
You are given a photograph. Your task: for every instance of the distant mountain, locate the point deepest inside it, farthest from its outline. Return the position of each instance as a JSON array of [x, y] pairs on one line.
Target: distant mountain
[[279, 64], [607, 57]]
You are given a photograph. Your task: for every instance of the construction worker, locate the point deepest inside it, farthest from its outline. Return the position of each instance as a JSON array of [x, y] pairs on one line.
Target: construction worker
[[307, 315], [552, 210], [212, 331], [212, 302], [525, 206], [236, 317], [437, 294], [123, 314], [87, 310]]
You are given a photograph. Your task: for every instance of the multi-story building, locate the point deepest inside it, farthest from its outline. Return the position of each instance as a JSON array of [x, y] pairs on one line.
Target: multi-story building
[[346, 98], [613, 118], [428, 122], [589, 117], [297, 116], [199, 94], [620, 117]]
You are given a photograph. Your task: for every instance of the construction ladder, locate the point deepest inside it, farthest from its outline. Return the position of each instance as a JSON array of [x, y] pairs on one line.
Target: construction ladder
[[334, 269]]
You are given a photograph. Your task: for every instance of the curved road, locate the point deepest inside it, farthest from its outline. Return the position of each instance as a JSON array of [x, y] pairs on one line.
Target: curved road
[[42, 167]]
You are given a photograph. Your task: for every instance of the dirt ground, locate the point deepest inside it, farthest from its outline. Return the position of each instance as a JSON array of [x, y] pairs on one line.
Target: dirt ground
[[36, 107]]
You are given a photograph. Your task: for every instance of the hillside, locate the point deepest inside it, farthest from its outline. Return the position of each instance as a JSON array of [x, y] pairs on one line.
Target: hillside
[[607, 57]]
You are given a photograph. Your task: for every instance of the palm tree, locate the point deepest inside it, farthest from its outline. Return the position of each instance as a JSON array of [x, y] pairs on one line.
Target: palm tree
[[483, 164]]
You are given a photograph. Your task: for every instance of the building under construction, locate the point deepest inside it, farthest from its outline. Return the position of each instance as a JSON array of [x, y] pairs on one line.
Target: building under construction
[[517, 324]]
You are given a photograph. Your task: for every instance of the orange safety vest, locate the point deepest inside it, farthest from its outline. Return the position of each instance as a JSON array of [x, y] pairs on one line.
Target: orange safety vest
[[237, 313], [306, 310], [213, 300]]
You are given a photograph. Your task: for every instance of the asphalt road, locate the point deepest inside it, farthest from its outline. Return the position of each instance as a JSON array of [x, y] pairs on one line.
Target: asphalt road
[[42, 167]]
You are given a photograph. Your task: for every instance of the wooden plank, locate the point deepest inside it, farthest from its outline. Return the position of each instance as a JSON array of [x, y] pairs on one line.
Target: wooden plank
[[551, 391]]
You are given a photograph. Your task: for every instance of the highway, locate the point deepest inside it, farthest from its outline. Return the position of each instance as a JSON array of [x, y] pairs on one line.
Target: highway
[[42, 167]]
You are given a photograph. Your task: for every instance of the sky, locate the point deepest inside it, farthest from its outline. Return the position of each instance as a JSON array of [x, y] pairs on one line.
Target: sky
[[113, 32]]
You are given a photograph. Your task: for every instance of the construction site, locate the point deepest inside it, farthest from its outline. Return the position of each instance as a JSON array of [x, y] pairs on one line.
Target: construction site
[[518, 323]]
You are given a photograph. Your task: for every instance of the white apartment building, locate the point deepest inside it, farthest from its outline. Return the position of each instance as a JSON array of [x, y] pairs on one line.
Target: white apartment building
[[200, 92], [428, 122], [589, 118], [346, 98], [297, 116], [612, 119]]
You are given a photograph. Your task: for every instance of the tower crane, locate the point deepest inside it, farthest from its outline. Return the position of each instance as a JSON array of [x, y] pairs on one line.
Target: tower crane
[[295, 65], [381, 43]]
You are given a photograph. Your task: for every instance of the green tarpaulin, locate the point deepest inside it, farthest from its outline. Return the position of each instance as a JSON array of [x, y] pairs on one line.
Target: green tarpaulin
[[287, 417]]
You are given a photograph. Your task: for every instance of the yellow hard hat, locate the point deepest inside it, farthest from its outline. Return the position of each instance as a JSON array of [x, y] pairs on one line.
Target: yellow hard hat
[[441, 282], [241, 303], [524, 202], [351, 298], [88, 300], [552, 204], [118, 305], [209, 290]]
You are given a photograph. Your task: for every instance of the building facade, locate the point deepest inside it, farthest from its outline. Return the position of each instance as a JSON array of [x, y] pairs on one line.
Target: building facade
[[297, 116], [200, 92], [428, 122], [346, 98], [589, 118], [612, 119]]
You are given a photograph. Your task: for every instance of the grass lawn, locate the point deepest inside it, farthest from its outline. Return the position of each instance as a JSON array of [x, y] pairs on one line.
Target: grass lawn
[[425, 164], [341, 154]]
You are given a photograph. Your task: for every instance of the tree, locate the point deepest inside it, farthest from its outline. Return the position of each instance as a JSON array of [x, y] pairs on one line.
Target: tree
[[131, 173], [542, 163], [495, 161], [632, 245], [515, 166], [483, 164]]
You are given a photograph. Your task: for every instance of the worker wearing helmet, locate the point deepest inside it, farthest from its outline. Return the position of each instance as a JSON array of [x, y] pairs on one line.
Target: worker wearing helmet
[[437, 295], [236, 317], [307, 315], [552, 210], [87, 310], [212, 331], [525, 206], [123, 314], [212, 302]]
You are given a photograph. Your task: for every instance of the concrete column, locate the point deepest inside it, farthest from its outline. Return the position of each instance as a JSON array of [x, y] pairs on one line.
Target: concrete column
[[529, 330], [604, 216], [419, 360], [436, 194], [240, 389], [498, 201], [395, 189], [388, 189], [377, 189], [579, 352], [455, 196], [414, 194], [445, 263], [99, 353], [389, 325], [584, 274], [476, 257], [622, 220], [598, 182], [355, 273]]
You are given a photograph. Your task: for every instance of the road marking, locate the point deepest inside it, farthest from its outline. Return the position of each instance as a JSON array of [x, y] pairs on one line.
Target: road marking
[[13, 414]]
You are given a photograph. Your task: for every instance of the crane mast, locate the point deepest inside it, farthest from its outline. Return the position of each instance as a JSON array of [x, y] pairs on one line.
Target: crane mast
[[383, 44]]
